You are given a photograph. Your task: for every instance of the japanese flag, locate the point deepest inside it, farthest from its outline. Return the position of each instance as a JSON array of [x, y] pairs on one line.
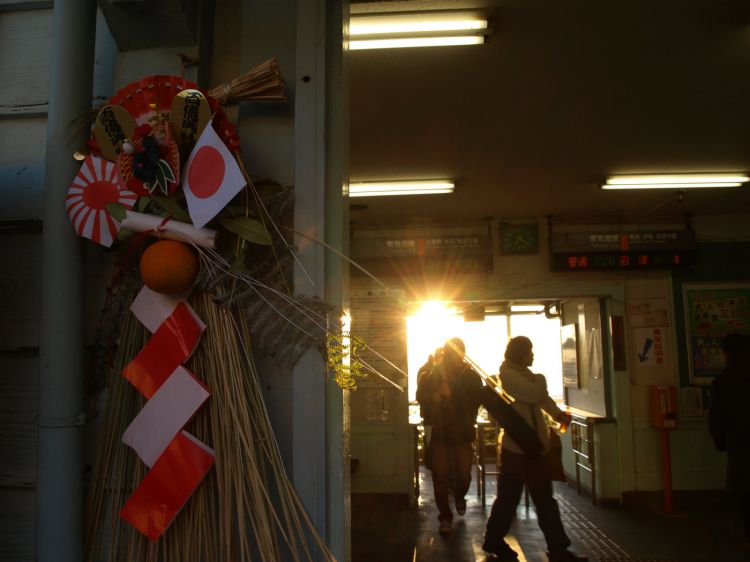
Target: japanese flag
[[211, 178]]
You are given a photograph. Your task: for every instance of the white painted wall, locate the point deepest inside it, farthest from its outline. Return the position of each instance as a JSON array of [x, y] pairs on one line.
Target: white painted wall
[[695, 463]]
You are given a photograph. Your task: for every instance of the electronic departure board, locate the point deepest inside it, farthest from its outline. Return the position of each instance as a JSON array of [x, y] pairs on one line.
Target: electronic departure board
[[593, 261], [623, 251]]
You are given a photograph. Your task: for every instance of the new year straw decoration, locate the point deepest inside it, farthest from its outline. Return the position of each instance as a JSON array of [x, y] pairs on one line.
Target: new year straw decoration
[[220, 264], [262, 83], [246, 508]]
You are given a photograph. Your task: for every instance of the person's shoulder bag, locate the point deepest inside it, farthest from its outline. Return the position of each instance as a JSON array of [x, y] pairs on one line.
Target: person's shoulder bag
[[553, 457]]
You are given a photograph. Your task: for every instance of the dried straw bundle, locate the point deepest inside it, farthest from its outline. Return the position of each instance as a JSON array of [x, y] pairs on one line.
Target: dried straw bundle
[[262, 83], [246, 509]]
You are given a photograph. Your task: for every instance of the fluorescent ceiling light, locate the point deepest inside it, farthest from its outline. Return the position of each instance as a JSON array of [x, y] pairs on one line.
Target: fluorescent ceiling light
[[417, 29], [386, 188], [407, 42], [400, 24], [676, 181]]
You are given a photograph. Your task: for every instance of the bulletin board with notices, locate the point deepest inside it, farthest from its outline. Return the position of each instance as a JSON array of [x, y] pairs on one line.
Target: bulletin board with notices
[[711, 312]]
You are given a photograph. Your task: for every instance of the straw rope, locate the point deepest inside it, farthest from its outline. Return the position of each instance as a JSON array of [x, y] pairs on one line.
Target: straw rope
[[246, 508]]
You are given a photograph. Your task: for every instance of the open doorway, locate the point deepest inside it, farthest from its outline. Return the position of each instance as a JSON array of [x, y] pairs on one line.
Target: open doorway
[[485, 329], [381, 514]]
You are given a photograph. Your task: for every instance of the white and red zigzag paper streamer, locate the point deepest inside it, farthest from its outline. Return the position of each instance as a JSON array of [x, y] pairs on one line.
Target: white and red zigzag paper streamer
[[178, 461], [164, 416]]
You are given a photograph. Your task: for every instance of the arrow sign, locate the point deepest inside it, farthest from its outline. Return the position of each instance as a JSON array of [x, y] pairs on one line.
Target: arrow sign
[[646, 346]]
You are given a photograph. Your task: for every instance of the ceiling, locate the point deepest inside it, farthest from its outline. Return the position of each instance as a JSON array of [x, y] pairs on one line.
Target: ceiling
[[563, 93]]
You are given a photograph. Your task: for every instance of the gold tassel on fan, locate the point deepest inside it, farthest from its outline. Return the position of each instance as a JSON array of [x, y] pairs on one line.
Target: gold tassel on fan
[[262, 83]]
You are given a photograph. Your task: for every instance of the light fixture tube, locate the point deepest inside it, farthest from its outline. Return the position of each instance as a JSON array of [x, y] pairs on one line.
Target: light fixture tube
[[390, 26], [416, 29], [407, 42], [387, 188], [676, 181]]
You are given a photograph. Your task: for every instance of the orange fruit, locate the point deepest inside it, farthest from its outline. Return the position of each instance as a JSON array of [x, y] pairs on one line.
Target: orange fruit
[[169, 267]]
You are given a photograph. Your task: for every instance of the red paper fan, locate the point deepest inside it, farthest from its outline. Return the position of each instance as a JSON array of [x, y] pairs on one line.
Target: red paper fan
[[144, 97], [94, 186]]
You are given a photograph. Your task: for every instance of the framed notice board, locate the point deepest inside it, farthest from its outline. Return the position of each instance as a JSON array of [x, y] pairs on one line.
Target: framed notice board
[[711, 312]]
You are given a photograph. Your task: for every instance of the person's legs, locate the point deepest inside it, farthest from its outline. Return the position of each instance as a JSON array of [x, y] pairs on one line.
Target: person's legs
[[440, 470], [744, 502], [744, 499], [509, 487], [427, 438], [462, 462], [547, 510]]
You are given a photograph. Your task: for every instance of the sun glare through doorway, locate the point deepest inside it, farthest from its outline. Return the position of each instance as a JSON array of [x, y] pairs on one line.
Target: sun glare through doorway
[[429, 324]]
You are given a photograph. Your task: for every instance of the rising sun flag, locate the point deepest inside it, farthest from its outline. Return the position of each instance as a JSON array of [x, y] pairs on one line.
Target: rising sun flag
[[94, 187]]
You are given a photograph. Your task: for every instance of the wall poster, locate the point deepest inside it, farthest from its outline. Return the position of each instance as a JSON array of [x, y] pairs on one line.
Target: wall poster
[[649, 346], [647, 312], [692, 402], [711, 312]]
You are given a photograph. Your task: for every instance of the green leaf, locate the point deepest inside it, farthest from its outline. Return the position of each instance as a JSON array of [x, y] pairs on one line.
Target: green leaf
[[143, 202], [161, 181], [124, 234], [237, 211], [267, 188], [163, 176], [117, 210], [166, 170], [248, 229], [172, 208]]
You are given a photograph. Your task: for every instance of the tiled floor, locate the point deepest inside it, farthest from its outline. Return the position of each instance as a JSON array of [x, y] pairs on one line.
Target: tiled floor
[[704, 529]]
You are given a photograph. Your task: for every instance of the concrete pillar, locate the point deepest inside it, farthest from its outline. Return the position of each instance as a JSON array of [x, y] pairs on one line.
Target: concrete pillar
[[59, 528]]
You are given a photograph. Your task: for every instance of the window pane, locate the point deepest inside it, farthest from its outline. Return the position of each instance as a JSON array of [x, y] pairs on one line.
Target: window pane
[[544, 333]]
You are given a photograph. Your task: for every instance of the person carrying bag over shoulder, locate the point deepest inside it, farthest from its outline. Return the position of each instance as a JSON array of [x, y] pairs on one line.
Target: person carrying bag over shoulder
[[517, 468], [553, 458], [449, 394]]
